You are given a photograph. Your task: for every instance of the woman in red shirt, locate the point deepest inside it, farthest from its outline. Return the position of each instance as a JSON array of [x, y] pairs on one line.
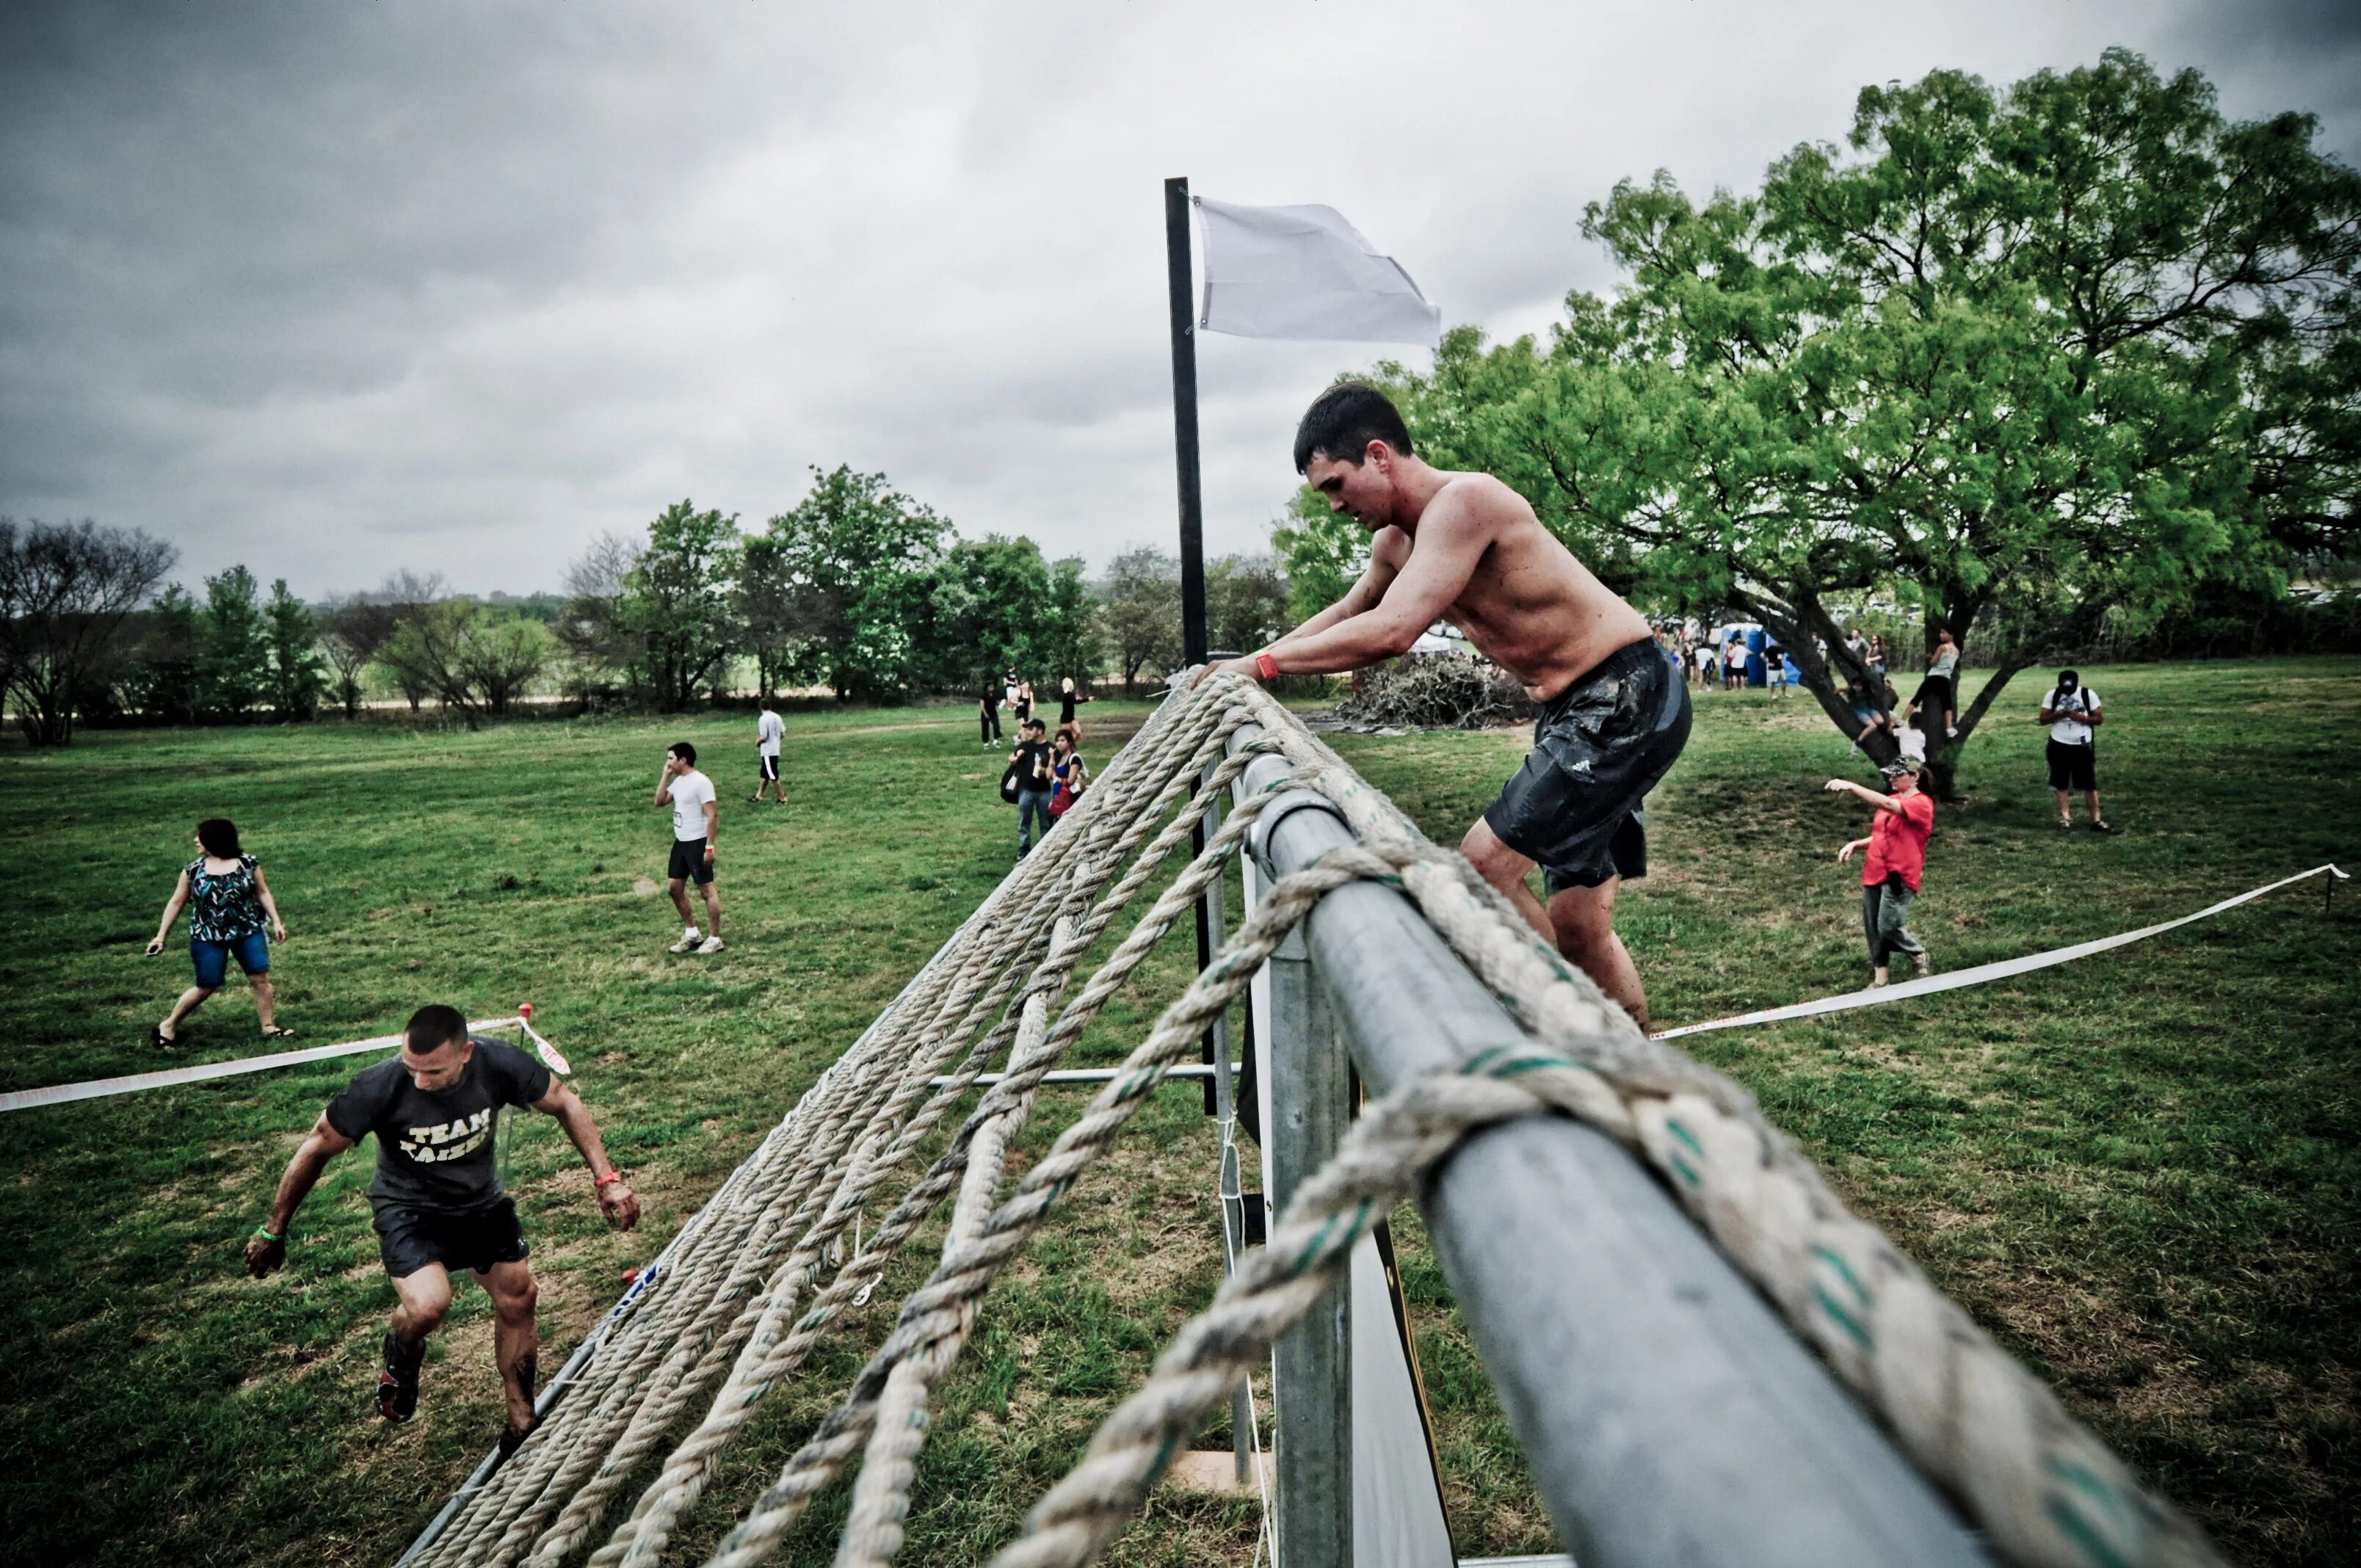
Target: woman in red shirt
[[1895, 861]]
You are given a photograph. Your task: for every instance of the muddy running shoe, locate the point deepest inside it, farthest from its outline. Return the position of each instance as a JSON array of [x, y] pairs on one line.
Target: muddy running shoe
[[397, 1385], [710, 945], [687, 943]]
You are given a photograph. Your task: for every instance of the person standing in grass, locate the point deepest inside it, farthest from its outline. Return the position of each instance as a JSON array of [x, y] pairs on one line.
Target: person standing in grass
[[1891, 869], [987, 713], [228, 902], [1029, 767], [436, 1200], [695, 822], [769, 730], [1070, 774], [2071, 711], [1067, 698]]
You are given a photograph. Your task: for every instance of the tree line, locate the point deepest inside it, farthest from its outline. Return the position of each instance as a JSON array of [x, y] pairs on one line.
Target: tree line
[[857, 589], [2071, 356]]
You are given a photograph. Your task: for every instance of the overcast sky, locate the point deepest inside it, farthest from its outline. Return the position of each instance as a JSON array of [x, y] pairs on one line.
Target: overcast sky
[[338, 290]]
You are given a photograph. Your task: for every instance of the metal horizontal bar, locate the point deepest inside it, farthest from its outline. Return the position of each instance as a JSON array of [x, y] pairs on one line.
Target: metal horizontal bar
[[1086, 1075], [1665, 1411]]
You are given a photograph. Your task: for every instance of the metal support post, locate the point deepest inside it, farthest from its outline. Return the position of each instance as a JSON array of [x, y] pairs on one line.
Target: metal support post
[[1313, 1365], [1225, 1117]]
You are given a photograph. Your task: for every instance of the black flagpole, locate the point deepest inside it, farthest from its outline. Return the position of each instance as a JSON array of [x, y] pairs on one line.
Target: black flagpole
[[1184, 421], [1192, 500]]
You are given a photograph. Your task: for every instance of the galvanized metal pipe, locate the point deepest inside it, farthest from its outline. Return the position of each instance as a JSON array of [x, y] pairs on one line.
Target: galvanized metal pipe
[[1668, 1414], [1312, 1365]]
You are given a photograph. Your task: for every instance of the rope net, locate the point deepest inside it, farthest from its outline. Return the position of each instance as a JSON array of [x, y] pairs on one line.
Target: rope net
[[750, 1285]]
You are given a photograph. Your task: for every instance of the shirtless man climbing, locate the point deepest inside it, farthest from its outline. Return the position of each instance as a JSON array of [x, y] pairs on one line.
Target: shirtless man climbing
[[1614, 712]]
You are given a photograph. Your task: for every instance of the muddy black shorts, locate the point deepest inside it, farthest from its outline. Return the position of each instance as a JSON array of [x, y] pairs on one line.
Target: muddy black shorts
[[1599, 747], [409, 1238]]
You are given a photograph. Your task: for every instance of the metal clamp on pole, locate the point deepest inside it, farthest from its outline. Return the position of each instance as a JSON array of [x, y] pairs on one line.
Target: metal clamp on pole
[[1666, 1412]]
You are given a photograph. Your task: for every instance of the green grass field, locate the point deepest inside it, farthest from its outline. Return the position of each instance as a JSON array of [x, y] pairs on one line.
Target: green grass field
[[2138, 1170]]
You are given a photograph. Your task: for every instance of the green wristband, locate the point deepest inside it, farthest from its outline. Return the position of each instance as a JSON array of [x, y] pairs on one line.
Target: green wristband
[[262, 1234]]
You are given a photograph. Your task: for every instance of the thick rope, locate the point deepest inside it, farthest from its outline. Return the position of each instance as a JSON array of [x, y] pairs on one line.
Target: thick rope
[[635, 1373], [2047, 1491]]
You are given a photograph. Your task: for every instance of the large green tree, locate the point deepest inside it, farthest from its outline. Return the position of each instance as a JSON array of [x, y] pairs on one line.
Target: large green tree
[[862, 554], [234, 657], [292, 634], [994, 604], [676, 602], [2024, 357], [1141, 593]]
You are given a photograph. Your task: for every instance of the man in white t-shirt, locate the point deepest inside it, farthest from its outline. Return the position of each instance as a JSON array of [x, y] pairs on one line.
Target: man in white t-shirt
[[696, 820], [2071, 711], [769, 730]]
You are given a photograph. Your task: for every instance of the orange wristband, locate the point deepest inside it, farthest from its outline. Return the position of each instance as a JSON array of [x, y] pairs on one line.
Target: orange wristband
[[1266, 667], [610, 1178]]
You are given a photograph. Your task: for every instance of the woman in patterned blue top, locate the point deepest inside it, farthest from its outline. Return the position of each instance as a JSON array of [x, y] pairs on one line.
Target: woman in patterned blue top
[[228, 902]]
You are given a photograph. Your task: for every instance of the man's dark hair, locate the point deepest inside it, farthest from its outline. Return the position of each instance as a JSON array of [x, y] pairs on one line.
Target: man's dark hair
[[434, 1026], [219, 836], [1344, 419], [764, 704], [684, 752]]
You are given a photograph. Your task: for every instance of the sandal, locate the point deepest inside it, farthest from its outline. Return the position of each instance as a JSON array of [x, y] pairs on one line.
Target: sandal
[[160, 1040], [278, 1032]]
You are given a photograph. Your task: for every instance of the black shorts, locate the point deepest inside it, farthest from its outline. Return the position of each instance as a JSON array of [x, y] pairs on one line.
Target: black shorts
[[409, 1239], [2073, 767], [1599, 747], [688, 861], [1936, 695], [769, 765]]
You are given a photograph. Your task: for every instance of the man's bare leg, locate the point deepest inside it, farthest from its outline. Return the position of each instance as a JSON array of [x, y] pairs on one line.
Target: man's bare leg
[[1507, 870], [1584, 919], [516, 1336], [679, 887], [712, 908], [421, 1300]]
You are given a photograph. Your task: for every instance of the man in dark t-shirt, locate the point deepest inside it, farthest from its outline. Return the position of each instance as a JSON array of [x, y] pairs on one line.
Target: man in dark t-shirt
[[436, 1110]]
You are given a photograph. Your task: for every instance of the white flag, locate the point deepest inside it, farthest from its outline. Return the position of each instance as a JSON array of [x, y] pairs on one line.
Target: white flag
[[1304, 273]]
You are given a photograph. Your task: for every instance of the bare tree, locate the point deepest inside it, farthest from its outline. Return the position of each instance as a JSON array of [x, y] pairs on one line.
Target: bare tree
[[355, 630], [594, 629], [497, 660], [404, 651], [65, 589]]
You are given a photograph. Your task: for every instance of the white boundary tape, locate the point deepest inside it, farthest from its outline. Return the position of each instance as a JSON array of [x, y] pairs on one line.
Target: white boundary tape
[[1982, 972], [139, 1083]]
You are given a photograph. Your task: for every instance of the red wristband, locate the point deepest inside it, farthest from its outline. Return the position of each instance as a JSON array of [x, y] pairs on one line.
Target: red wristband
[[611, 1177], [1266, 667]]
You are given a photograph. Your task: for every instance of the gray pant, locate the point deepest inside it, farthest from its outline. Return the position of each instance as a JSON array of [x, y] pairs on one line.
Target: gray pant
[[1031, 801], [1884, 907]]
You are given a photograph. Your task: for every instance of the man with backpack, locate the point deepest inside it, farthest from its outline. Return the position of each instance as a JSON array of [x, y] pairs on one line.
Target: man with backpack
[[2071, 711]]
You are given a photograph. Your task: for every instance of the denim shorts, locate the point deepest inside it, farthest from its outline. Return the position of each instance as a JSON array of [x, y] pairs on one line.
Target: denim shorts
[[211, 958]]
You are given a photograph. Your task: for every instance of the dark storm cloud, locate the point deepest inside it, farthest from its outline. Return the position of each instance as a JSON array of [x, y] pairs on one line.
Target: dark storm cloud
[[334, 291]]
